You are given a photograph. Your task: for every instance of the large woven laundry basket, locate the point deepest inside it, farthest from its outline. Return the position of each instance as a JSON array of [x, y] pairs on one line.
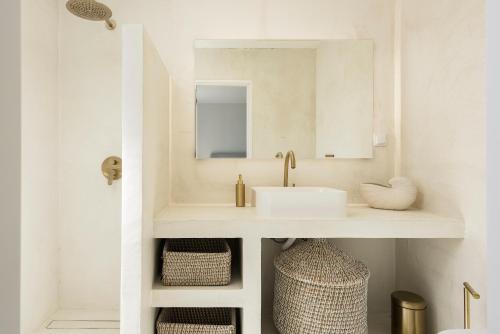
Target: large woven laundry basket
[[319, 289]]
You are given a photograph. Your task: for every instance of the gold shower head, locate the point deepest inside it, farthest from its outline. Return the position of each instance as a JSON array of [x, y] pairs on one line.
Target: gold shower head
[[91, 10]]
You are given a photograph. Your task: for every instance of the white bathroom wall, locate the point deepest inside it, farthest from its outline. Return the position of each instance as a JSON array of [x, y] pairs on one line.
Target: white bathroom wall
[[40, 118], [10, 175], [444, 151], [146, 126], [493, 164], [344, 99], [90, 131]]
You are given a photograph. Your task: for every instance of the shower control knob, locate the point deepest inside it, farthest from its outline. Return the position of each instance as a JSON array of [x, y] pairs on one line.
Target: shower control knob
[[111, 168]]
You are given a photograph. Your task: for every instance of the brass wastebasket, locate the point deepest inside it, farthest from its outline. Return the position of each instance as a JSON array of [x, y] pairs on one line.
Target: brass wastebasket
[[408, 313]]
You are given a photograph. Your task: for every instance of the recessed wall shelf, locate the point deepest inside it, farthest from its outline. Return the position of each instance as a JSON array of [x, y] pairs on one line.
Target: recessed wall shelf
[[199, 296], [361, 222]]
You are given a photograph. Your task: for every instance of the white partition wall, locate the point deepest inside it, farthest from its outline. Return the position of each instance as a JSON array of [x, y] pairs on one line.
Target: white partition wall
[[146, 182]]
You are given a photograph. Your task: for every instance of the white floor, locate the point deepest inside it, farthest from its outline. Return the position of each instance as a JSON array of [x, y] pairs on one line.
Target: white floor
[[107, 322], [82, 322], [377, 324]]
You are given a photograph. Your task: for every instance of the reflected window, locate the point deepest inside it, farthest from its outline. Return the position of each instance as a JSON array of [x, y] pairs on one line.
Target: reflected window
[[222, 120]]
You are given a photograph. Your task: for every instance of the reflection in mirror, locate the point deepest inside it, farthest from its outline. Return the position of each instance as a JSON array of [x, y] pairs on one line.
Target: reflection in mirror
[[313, 97], [221, 120]]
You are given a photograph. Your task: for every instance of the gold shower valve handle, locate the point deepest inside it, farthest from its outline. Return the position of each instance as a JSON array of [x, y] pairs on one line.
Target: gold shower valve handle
[[112, 169], [111, 177]]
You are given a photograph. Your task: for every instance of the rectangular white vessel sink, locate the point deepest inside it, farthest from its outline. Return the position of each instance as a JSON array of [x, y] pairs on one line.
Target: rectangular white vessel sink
[[299, 202]]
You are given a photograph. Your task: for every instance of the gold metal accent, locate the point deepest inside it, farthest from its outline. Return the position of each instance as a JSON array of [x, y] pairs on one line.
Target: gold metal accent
[[408, 313], [240, 193], [111, 168], [468, 292], [289, 159], [92, 10], [110, 24], [279, 155]]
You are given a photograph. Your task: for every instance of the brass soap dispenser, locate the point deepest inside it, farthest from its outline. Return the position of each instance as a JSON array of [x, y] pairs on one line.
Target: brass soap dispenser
[[240, 192]]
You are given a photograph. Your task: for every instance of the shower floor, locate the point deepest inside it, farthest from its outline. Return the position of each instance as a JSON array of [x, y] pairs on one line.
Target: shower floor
[[82, 322]]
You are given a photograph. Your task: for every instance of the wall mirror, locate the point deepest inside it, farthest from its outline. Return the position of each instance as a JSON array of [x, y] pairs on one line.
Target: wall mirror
[[256, 98]]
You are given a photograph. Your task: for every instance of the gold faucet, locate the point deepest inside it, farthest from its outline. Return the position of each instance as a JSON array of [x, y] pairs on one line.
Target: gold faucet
[[290, 157], [468, 292]]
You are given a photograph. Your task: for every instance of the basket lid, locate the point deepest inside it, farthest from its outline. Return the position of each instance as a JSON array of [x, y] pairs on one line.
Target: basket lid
[[320, 262], [408, 300]]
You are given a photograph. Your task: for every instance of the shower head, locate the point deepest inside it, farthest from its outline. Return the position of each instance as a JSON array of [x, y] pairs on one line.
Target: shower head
[[91, 10]]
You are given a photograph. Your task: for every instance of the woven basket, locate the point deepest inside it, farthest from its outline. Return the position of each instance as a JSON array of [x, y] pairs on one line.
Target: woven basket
[[196, 321], [196, 262], [319, 289]]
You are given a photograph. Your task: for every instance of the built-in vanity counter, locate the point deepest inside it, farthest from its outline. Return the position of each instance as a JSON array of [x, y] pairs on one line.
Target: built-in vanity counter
[[360, 222], [252, 234]]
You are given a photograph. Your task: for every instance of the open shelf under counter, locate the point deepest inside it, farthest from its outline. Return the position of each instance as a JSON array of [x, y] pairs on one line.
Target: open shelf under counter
[[360, 222], [231, 295]]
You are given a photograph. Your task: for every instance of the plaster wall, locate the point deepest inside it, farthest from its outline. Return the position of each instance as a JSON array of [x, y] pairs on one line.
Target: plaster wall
[[444, 151], [39, 170]]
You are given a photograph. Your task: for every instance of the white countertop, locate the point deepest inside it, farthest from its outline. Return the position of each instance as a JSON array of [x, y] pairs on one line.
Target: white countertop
[[361, 222]]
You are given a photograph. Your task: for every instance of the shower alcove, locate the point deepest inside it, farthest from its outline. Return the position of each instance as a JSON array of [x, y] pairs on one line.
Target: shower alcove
[[85, 268]]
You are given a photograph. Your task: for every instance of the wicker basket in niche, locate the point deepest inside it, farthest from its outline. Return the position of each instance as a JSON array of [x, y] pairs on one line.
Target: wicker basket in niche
[[196, 321], [319, 289], [196, 262]]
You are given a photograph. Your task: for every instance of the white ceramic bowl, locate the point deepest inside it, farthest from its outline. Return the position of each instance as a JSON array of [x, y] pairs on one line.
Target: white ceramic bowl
[[399, 195]]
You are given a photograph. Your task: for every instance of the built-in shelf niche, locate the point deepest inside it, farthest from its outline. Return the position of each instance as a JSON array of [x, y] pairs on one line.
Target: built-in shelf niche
[[201, 296]]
